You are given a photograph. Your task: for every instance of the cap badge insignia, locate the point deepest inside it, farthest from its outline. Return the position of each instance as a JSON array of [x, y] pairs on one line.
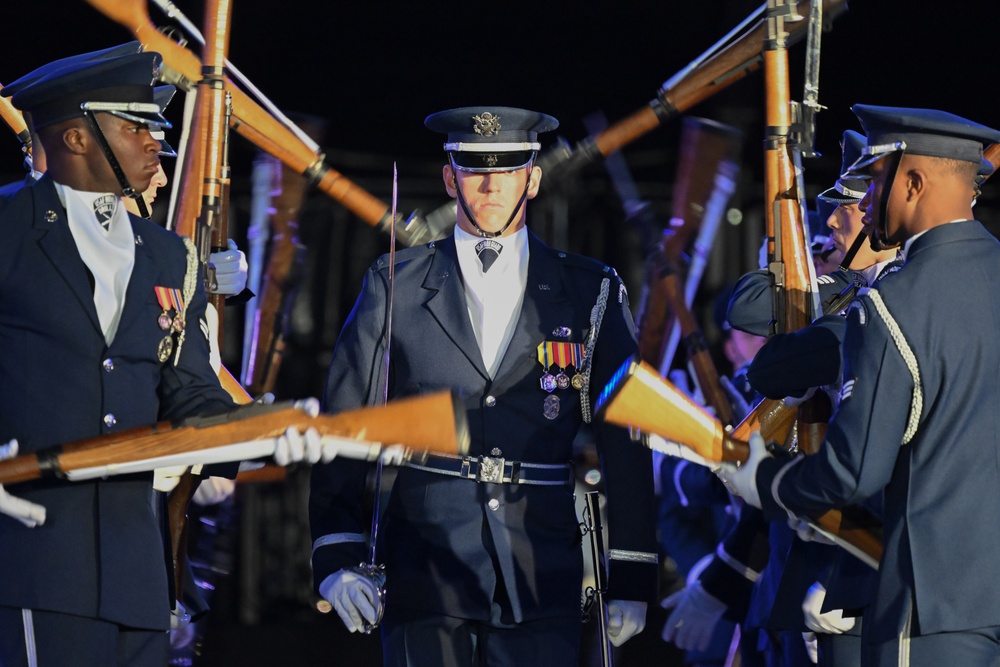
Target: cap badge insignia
[[487, 125], [491, 160]]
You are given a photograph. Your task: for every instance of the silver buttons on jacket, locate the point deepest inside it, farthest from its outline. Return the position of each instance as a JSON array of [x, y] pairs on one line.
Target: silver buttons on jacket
[[494, 504], [109, 420], [108, 365], [490, 401]]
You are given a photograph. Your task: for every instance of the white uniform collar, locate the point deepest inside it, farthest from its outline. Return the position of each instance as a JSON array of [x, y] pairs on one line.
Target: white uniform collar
[[109, 254]]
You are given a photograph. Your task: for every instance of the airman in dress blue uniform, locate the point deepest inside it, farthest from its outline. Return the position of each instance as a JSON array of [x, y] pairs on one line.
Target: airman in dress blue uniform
[[85, 355], [483, 564], [916, 419]]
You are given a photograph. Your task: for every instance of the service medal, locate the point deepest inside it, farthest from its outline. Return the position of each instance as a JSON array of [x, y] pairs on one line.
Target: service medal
[[562, 380], [179, 323], [550, 406], [548, 382], [164, 349], [578, 382], [164, 321]]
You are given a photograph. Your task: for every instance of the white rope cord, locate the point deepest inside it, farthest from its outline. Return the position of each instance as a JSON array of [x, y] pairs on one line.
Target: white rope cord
[[190, 284], [596, 317], [917, 401]]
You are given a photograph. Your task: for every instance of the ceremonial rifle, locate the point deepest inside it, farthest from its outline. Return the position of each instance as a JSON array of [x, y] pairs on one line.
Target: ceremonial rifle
[[794, 300], [638, 398], [201, 215], [397, 431], [723, 64], [774, 418], [279, 285], [261, 128], [705, 167]]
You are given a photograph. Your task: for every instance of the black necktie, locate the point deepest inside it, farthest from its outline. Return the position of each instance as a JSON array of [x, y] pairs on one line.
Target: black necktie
[[488, 251]]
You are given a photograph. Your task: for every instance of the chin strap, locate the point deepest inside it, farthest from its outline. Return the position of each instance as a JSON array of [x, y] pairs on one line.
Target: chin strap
[[127, 189], [845, 264], [513, 214], [879, 244]]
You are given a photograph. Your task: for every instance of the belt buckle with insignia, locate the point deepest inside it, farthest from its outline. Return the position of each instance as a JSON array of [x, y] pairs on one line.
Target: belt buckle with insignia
[[490, 469]]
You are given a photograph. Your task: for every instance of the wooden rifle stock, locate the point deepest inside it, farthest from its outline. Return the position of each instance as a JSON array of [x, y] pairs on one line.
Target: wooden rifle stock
[[710, 73], [638, 398], [253, 122], [431, 422]]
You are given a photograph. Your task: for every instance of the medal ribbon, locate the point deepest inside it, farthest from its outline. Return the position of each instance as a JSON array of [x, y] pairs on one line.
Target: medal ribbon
[[545, 354], [163, 296]]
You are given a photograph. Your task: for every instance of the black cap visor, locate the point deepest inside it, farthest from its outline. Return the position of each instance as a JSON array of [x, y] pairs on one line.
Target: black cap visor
[[487, 162]]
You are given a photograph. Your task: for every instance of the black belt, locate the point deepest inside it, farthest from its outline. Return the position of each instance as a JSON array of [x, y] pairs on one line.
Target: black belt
[[496, 470]]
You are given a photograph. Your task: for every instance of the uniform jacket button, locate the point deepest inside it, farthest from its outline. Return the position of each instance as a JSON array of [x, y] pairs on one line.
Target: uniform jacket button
[[491, 401], [109, 420], [494, 504], [108, 365]]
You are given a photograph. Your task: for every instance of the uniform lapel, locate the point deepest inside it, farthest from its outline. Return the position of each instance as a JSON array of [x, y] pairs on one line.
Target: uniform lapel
[[56, 241], [546, 306], [447, 303]]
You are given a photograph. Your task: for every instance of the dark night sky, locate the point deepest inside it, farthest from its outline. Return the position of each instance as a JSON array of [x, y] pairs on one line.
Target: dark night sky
[[375, 69]]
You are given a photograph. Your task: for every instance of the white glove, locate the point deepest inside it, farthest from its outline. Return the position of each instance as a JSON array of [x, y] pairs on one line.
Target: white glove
[[213, 490], [806, 532], [293, 446], [230, 270], [832, 622], [626, 619], [692, 622], [812, 646], [29, 513], [181, 627], [742, 480], [354, 597]]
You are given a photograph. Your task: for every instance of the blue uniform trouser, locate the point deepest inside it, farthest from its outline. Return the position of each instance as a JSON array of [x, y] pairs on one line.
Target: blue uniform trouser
[[432, 640], [969, 648], [32, 638], [839, 650]]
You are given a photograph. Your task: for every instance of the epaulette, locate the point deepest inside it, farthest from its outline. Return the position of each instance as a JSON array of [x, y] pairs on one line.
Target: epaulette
[[405, 254], [593, 266], [586, 263]]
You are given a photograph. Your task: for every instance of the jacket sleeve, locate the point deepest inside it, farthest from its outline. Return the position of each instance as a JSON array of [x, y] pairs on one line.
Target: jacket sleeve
[[750, 307], [633, 555], [738, 562], [337, 488], [790, 364], [862, 442]]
